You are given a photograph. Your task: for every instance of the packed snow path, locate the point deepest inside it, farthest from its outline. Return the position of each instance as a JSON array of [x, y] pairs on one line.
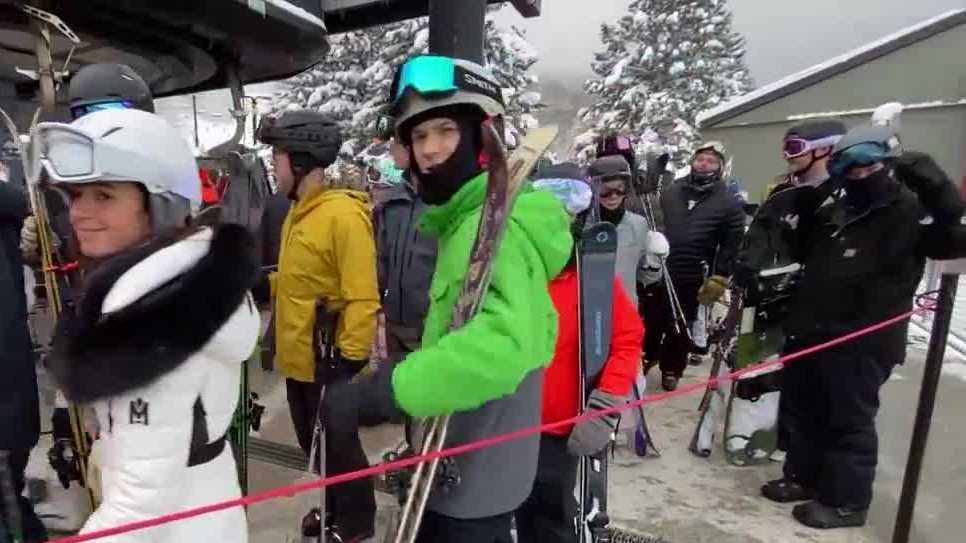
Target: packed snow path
[[686, 499]]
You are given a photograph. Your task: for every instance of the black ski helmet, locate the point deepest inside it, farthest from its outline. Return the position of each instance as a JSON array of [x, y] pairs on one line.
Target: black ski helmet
[[108, 83], [311, 138], [809, 136], [610, 167], [816, 130]]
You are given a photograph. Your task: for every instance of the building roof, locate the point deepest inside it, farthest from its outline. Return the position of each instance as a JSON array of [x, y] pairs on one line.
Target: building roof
[[832, 67]]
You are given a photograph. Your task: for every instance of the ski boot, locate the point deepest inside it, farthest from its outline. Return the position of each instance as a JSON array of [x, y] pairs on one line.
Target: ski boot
[[669, 382], [255, 412], [696, 359], [786, 491], [397, 481], [823, 517], [314, 530]]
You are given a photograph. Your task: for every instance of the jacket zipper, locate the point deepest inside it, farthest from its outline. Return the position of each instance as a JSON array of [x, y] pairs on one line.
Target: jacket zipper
[[854, 220], [402, 252]]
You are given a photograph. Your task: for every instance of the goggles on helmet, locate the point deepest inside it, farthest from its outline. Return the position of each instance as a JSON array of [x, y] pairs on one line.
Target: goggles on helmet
[[77, 112], [796, 147], [438, 75], [863, 154], [70, 155]]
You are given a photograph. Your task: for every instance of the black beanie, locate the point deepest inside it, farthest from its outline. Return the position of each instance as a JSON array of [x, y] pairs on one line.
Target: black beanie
[[817, 129]]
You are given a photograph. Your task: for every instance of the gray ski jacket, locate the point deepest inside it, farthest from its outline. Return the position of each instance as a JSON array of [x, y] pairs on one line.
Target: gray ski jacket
[[406, 258], [632, 241]]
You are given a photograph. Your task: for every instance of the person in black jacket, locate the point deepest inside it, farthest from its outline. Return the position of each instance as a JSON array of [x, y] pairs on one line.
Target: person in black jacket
[[406, 259], [20, 412], [864, 255], [704, 223]]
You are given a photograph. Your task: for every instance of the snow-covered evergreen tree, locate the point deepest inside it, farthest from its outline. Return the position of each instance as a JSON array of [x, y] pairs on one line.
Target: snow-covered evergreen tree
[[663, 63], [352, 83], [510, 57]]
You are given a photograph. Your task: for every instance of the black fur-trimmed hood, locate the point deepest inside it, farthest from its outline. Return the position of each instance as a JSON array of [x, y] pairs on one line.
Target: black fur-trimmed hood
[[98, 354]]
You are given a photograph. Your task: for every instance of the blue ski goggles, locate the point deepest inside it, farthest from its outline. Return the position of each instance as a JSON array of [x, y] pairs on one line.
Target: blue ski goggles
[[863, 154], [79, 111], [436, 75]]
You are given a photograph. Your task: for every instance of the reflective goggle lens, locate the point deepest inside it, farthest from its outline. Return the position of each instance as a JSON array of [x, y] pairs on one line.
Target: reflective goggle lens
[[794, 147], [79, 111], [425, 74]]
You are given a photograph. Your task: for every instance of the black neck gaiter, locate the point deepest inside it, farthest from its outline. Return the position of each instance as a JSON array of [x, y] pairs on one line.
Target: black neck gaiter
[[860, 194], [613, 216], [446, 178]]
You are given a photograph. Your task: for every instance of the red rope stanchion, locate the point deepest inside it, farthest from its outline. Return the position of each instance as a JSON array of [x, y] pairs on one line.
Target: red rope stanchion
[[298, 488]]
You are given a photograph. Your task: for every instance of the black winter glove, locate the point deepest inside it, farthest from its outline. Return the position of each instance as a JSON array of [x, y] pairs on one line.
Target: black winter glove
[[936, 190], [369, 402], [656, 168]]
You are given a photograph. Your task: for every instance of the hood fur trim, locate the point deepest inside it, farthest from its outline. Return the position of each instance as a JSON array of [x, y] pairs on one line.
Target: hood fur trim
[[96, 355]]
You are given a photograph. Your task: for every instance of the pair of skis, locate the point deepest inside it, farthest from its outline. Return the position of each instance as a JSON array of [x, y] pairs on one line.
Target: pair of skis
[[596, 261], [56, 282]]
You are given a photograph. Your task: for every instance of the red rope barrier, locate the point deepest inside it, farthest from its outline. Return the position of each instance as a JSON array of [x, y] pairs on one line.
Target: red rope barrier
[[297, 488]]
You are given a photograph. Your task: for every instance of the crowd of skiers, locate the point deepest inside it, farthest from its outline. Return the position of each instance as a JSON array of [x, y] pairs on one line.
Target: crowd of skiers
[[164, 315]]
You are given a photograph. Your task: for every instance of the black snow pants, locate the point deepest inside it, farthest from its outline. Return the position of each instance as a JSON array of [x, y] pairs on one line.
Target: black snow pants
[[352, 505], [437, 528], [33, 529], [827, 410], [662, 340], [547, 515]]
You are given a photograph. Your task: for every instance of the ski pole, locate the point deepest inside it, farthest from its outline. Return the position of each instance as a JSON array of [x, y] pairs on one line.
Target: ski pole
[[927, 401], [677, 311]]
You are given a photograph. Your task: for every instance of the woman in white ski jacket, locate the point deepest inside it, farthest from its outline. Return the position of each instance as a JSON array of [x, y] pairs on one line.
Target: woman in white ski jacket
[[163, 322]]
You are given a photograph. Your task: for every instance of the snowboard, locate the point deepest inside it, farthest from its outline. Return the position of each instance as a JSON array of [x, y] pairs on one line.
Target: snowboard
[[766, 272], [751, 424], [596, 261]]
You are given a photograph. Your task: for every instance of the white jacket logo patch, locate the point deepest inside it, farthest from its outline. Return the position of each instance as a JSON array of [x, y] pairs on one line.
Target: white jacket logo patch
[[139, 412], [691, 204]]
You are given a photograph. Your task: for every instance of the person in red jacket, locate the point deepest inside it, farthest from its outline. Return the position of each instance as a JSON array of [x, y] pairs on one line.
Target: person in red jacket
[[547, 515]]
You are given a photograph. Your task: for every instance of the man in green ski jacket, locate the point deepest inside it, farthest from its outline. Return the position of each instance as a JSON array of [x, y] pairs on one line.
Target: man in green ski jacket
[[488, 374]]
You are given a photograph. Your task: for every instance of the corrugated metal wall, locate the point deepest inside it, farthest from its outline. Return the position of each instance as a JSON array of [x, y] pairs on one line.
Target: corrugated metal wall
[[928, 71]]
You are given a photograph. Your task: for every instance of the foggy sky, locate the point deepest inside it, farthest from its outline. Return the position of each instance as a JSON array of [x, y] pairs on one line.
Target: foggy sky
[[782, 36]]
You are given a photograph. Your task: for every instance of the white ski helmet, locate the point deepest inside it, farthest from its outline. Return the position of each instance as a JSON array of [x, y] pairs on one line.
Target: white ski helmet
[[121, 145]]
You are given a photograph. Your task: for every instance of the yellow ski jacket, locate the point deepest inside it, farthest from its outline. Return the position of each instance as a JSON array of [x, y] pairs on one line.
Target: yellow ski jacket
[[327, 251]]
